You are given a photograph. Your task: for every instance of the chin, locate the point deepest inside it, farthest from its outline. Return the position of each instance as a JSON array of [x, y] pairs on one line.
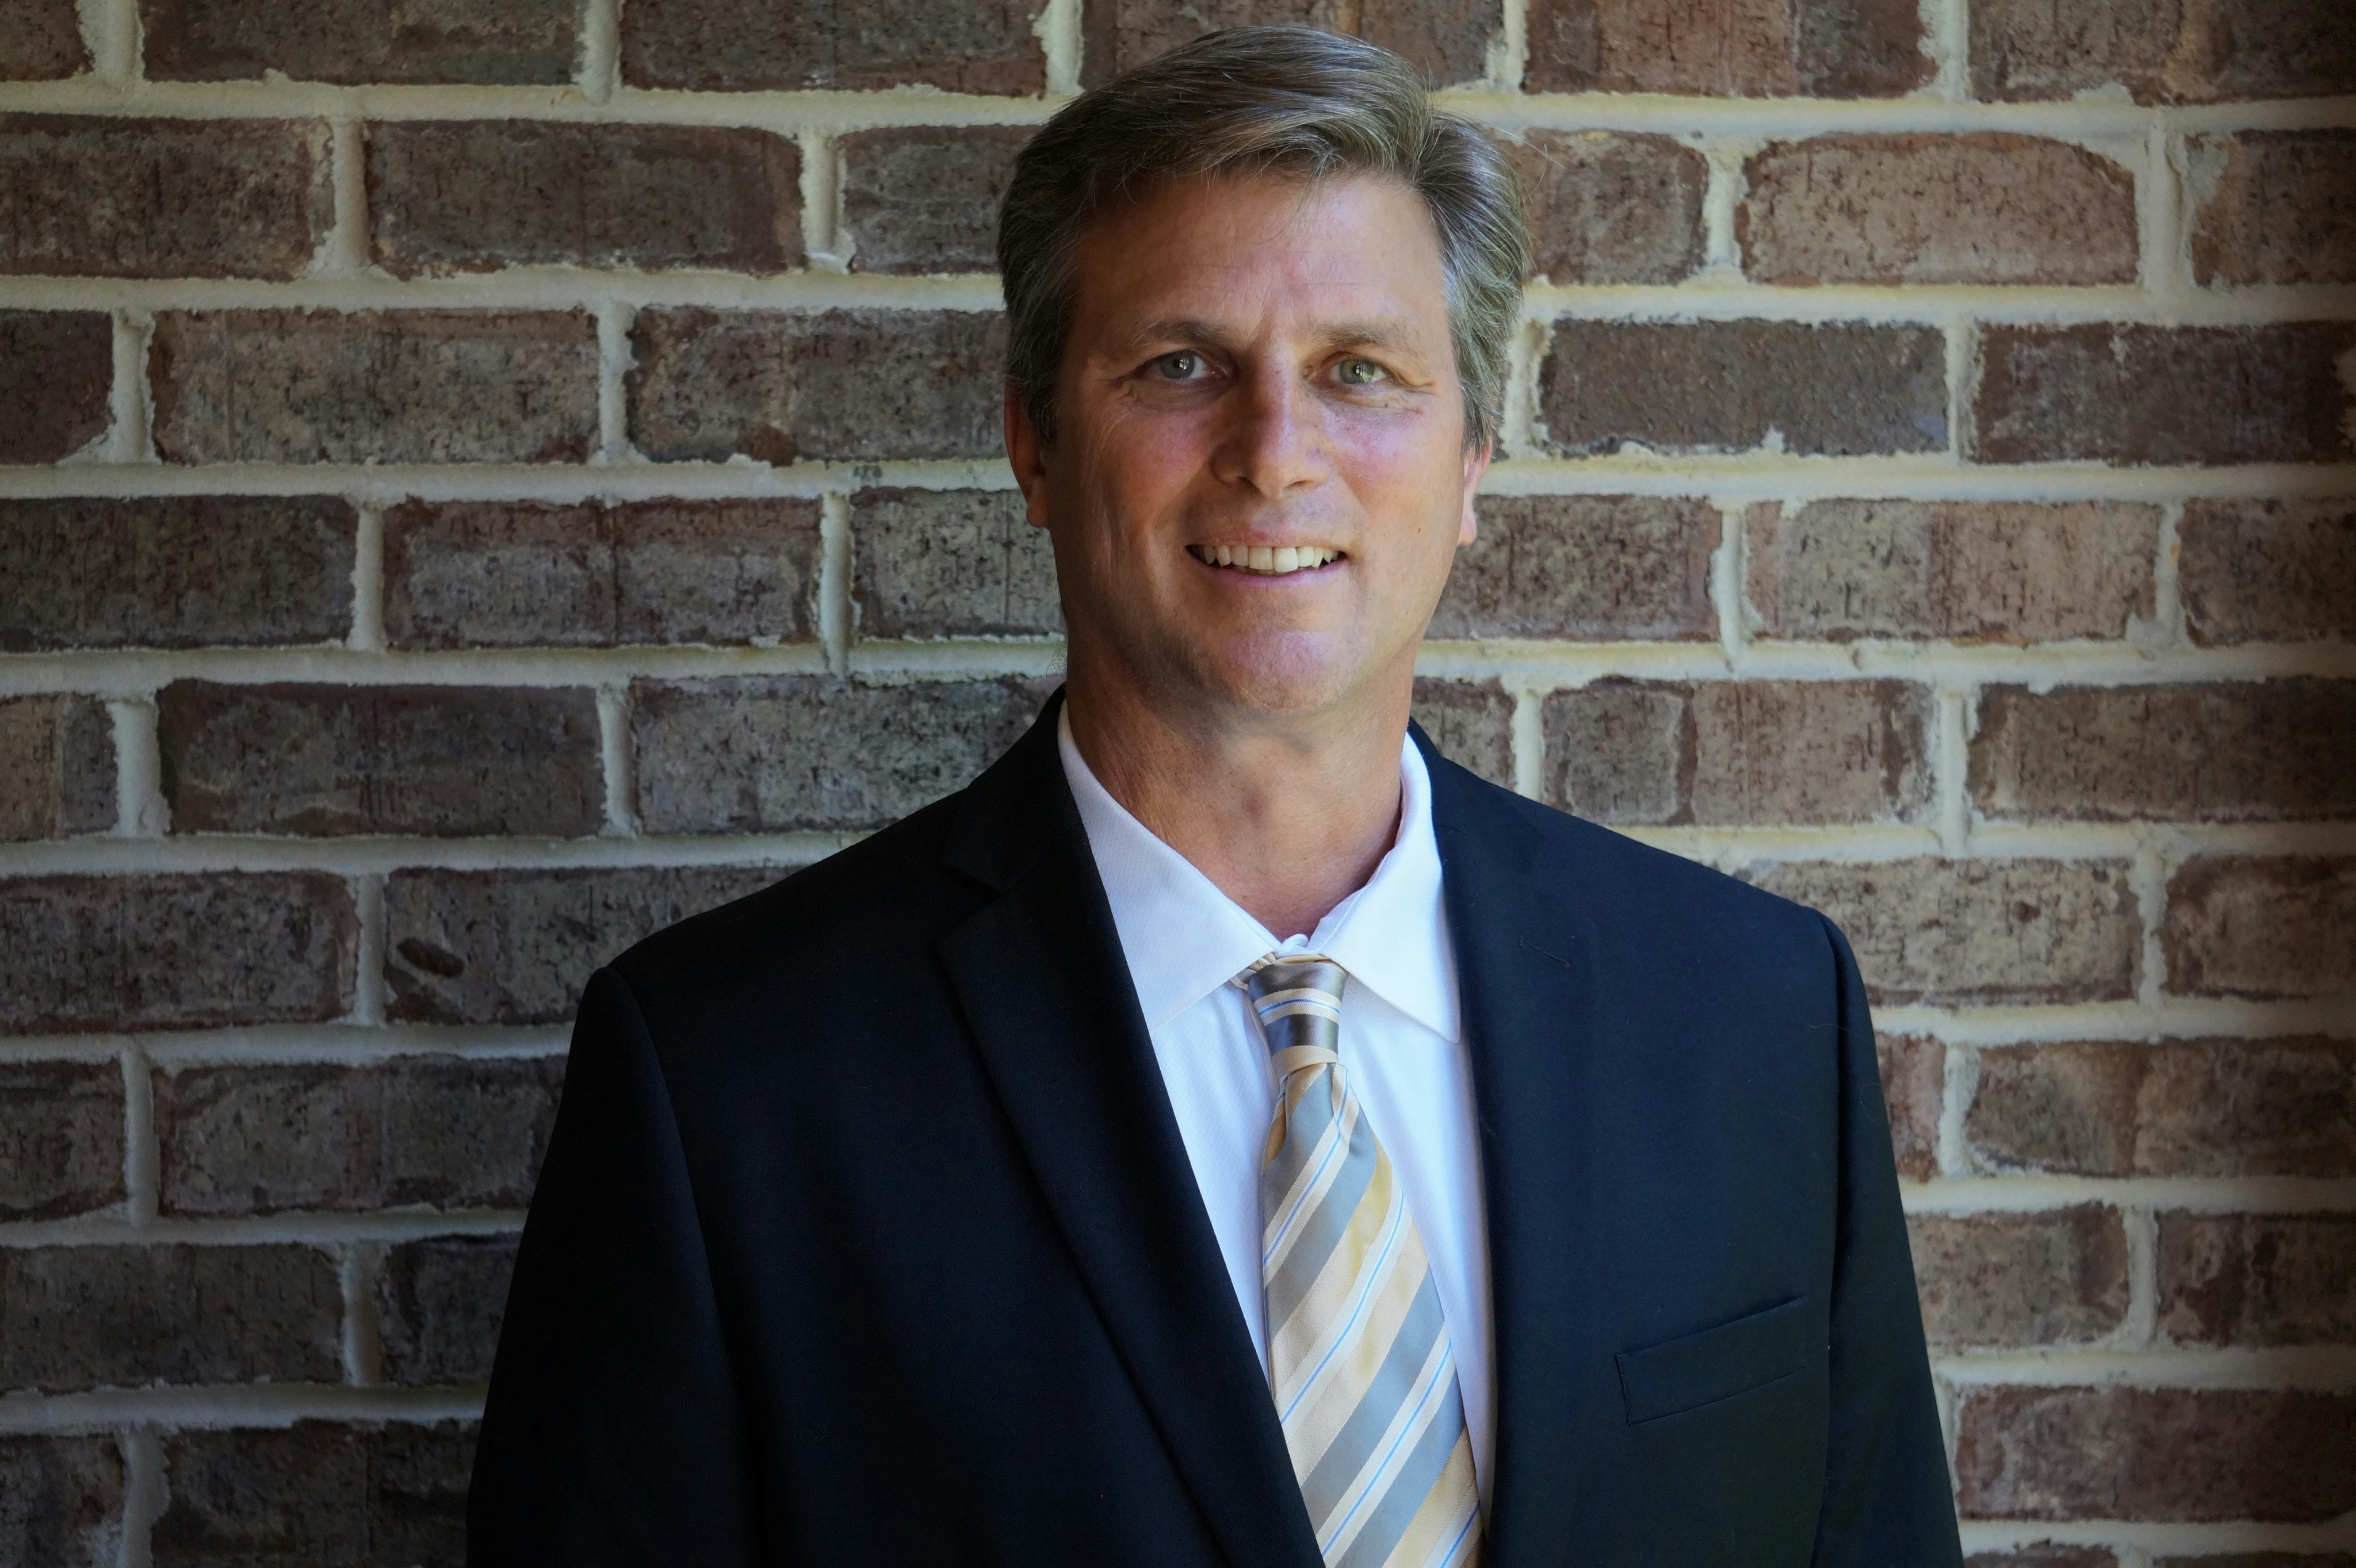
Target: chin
[[1289, 673]]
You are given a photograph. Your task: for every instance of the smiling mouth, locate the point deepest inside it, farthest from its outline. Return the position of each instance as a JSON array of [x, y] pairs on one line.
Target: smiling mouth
[[1262, 560]]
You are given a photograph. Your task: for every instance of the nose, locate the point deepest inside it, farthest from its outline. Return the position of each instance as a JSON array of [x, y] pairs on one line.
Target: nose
[[1275, 437]]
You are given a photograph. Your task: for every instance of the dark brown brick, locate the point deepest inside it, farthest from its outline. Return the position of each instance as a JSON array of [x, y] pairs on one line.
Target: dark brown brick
[[1584, 568], [451, 760], [527, 574], [316, 1493], [2164, 394], [1972, 570], [99, 1316], [2257, 1279], [1913, 1091], [57, 766], [516, 42], [1985, 208], [1979, 930], [2273, 207], [2163, 51], [2270, 926], [779, 753], [1446, 40], [465, 195], [516, 947], [2154, 1454], [1735, 386], [950, 563], [57, 370], [924, 198], [2268, 570], [1751, 751], [61, 1497], [2260, 1560], [175, 572], [2278, 751], [41, 39], [2047, 1554], [1472, 723], [1612, 208], [2058, 1277], [440, 1303], [442, 1132], [963, 45], [843, 384], [1817, 48], [414, 386], [60, 1138], [80, 953]]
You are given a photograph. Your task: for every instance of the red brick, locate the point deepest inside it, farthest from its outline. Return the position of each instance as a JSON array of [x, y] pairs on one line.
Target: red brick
[[80, 953], [785, 752], [1974, 570], [950, 563], [1472, 723], [1987, 207], [1446, 40], [2268, 570], [1819, 48], [2161, 1454], [416, 386], [440, 1301], [2047, 1554], [963, 45], [1913, 1091], [61, 1497], [516, 947], [2058, 1277], [465, 195], [527, 573], [2164, 394], [57, 370], [318, 1494], [2273, 207], [1979, 930], [2281, 750], [57, 766], [1739, 752], [1735, 386], [41, 39], [843, 384], [924, 198], [175, 572], [451, 760], [1607, 207], [2162, 51], [516, 42], [2273, 926], [60, 1138], [1584, 568], [2257, 1279], [434, 1131], [97, 1317]]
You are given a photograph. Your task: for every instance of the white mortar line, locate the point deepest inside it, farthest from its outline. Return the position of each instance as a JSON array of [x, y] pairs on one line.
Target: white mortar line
[[145, 1494], [614, 357], [1509, 49], [1959, 1083], [344, 251], [1946, 39], [368, 579], [1521, 428], [2168, 629], [139, 809], [2330, 1367], [823, 239], [523, 289], [1951, 750], [2040, 667], [599, 69], [1729, 583], [2004, 1193], [1721, 254], [2147, 875], [354, 856], [2131, 1536], [2163, 228], [1963, 351], [619, 761], [359, 1266], [835, 607], [110, 30], [2177, 1019], [295, 1229], [1057, 29], [248, 1405], [128, 437], [367, 958], [2141, 1328], [1529, 743], [141, 1156]]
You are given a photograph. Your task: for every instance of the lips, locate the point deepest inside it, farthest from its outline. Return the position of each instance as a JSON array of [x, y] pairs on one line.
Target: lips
[[1264, 560]]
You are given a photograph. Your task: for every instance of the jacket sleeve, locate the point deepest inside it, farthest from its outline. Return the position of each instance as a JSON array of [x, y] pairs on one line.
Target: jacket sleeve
[[611, 1433], [1888, 1501]]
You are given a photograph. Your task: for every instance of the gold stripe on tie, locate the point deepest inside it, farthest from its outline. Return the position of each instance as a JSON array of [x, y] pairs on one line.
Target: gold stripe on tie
[[1359, 1360]]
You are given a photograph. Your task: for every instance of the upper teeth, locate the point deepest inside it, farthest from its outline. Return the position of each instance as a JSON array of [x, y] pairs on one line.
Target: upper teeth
[[1276, 559]]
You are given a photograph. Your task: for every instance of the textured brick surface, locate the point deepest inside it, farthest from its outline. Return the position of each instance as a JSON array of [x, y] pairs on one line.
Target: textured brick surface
[[415, 1130], [380, 759], [56, 367], [1754, 751], [95, 1316], [439, 1306], [2273, 207], [1983, 932], [516, 947], [1472, 723], [2154, 1454], [1732, 386], [39, 39], [2269, 570], [2165, 394], [514, 41], [843, 384], [1915, 1092], [964, 46], [1585, 568], [2257, 1279], [924, 198], [2054, 1278], [61, 1497], [316, 1493], [1446, 40], [86, 196], [950, 563], [174, 951], [2051, 1555], [301, 386], [57, 766], [1824, 49], [1605, 206], [2280, 926], [459, 196], [1974, 570], [1987, 208], [60, 1138], [2162, 51], [525, 574], [778, 753]]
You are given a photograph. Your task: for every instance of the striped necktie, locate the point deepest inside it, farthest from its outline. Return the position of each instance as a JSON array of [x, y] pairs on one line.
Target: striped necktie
[[1359, 1360]]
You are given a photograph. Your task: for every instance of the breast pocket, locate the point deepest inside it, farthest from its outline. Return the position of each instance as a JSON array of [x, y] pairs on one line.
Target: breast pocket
[[1715, 1364]]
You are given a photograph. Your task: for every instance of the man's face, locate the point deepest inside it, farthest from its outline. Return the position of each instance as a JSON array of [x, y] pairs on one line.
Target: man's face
[[1259, 476]]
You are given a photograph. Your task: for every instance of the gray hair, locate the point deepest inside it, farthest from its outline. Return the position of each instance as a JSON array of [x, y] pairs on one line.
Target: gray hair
[[1253, 101]]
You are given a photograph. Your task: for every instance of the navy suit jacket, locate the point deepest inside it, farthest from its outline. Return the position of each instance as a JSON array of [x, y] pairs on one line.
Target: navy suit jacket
[[866, 1234]]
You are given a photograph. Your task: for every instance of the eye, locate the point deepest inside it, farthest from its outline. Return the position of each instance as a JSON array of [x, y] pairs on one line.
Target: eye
[[1178, 367], [1360, 372]]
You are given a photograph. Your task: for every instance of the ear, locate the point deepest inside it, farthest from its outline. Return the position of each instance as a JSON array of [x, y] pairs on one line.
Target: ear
[[1027, 457], [1476, 464]]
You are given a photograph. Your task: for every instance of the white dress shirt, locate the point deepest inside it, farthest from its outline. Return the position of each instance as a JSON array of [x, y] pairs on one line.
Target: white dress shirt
[[1402, 1044]]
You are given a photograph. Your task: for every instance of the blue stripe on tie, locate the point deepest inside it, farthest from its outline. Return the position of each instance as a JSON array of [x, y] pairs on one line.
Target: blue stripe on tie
[[1404, 1497], [1471, 1523], [1302, 1135], [1322, 1231], [1347, 1454], [1336, 1148], [1367, 1281]]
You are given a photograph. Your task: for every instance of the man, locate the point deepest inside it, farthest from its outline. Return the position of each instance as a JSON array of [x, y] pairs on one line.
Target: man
[[1227, 1132]]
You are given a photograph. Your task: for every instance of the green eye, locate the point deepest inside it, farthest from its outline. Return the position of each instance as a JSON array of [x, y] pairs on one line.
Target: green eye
[[1177, 367], [1361, 372]]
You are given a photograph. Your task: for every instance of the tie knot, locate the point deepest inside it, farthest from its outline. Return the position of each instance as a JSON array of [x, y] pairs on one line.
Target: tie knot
[[1298, 999]]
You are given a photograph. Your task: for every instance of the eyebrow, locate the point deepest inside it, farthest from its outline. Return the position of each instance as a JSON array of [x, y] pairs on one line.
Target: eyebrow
[[1340, 335]]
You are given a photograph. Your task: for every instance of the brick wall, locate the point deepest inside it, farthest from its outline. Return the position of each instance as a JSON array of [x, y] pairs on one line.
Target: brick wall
[[480, 481]]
